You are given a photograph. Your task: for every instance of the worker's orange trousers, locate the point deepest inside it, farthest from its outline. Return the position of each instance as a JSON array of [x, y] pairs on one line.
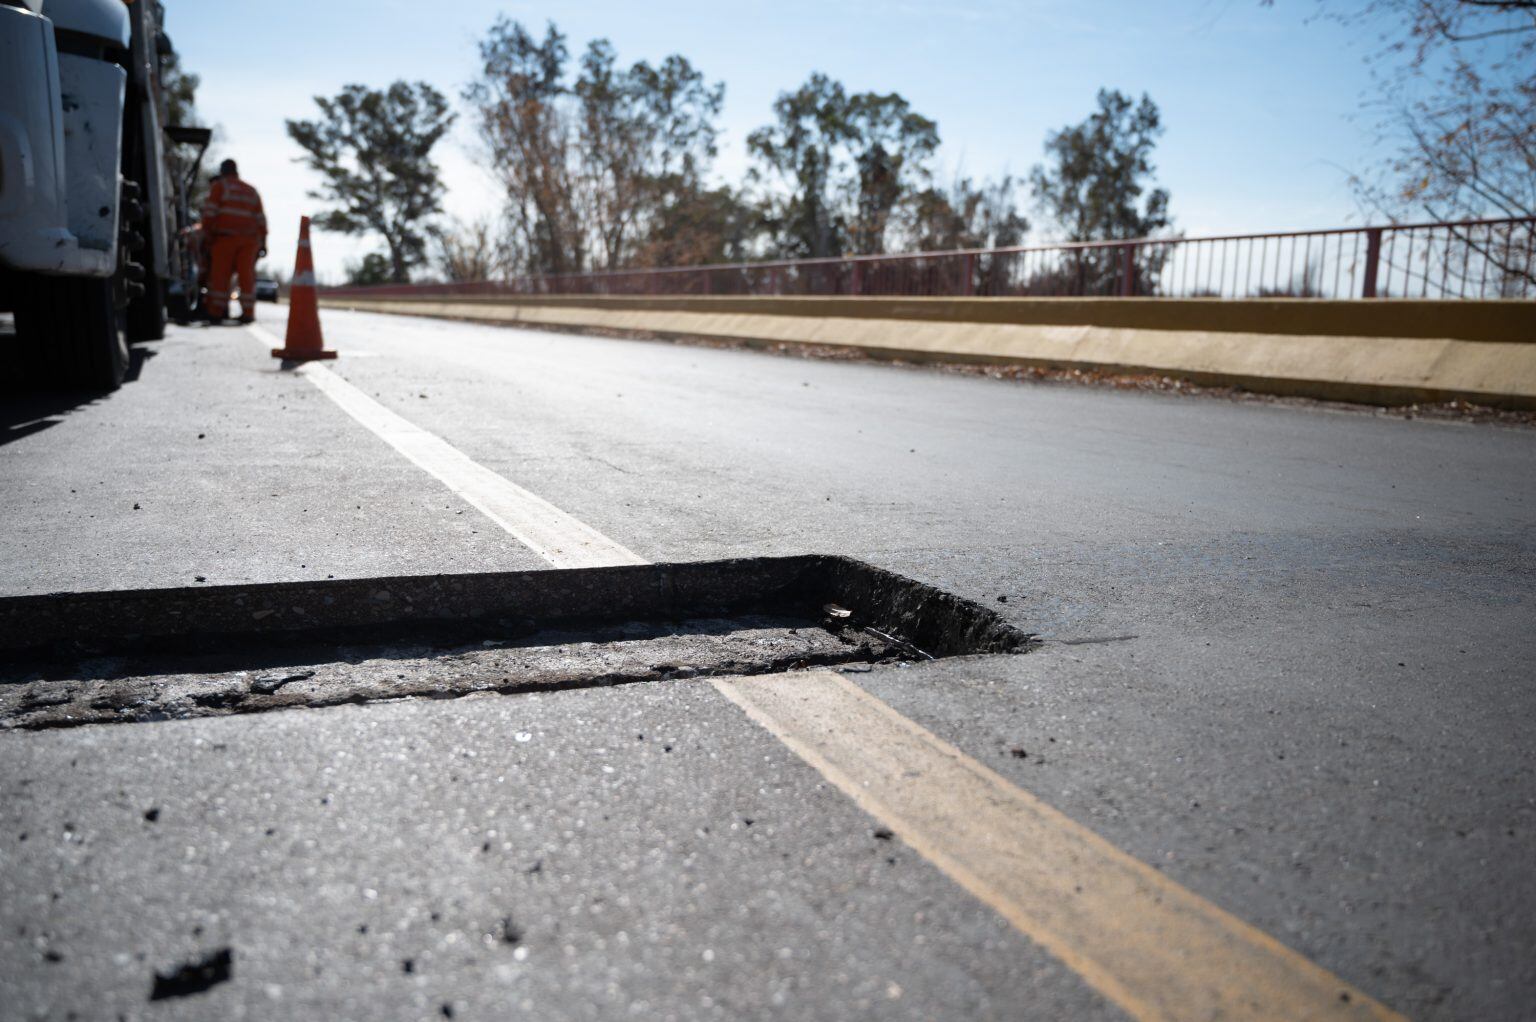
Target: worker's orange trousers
[[233, 255]]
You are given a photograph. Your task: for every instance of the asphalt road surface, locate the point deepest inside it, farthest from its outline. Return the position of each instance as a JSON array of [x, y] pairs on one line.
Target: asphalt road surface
[[1308, 700]]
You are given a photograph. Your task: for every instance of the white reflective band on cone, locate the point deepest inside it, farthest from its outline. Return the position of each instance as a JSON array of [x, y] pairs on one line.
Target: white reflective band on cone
[[305, 279], [304, 243]]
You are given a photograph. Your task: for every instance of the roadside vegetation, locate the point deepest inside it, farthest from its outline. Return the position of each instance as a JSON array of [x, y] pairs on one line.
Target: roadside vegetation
[[609, 166], [1455, 110], [373, 151]]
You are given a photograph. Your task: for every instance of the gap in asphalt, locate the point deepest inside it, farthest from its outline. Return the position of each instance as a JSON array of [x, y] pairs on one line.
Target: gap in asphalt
[[158, 654]]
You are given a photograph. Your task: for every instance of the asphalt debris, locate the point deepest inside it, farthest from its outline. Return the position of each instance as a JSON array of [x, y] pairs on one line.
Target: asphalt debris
[[266, 684], [167, 686], [221, 694], [195, 976], [39, 696], [507, 932]]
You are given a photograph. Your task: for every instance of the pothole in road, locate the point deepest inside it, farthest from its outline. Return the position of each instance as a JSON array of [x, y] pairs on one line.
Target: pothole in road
[[158, 654]]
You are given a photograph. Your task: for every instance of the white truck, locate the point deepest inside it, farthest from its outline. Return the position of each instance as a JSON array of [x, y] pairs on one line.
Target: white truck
[[93, 208]]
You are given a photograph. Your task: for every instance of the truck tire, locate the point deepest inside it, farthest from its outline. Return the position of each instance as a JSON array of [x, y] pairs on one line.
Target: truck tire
[[146, 313], [70, 333], [146, 308]]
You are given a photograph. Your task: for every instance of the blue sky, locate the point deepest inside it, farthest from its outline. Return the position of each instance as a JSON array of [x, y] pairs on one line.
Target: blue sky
[[1262, 105]]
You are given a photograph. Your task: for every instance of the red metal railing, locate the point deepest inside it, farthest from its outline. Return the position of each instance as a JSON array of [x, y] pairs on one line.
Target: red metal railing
[[1461, 259]]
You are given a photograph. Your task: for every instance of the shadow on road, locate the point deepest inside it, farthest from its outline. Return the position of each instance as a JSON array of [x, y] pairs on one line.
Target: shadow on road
[[26, 408]]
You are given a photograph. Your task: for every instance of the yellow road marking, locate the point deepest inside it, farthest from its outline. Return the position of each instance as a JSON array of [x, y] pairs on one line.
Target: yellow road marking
[[1155, 949], [1158, 951]]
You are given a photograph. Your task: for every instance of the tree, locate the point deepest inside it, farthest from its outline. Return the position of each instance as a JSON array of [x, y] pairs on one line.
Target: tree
[[596, 170], [1099, 188], [971, 216], [647, 136], [893, 145], [699, 226], [968, 215], [469, 252], [528, 134], [1102, 169], [372, 269], [1458, 86], [178, 94], [837, 166], [178, 86], [1459, 82], [373, 149], [801, 150]]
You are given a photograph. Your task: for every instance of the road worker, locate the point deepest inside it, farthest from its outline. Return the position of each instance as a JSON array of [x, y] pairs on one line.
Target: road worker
[[235, 230]]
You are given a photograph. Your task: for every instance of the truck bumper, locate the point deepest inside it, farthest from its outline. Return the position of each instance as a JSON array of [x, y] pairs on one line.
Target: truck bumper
[[35, 194]]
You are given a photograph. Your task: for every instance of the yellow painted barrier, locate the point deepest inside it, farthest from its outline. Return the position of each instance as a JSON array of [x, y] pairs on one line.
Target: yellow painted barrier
[[1377, 352]]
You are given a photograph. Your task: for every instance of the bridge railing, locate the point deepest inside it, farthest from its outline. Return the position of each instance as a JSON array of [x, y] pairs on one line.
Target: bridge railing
[[1446, 260]]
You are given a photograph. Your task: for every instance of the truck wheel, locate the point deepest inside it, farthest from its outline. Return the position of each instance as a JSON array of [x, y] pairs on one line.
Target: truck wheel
[[146, 308], [146, 313], [71, 333]]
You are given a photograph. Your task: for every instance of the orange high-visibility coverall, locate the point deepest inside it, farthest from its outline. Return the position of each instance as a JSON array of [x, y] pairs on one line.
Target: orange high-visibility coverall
[[236, 227]]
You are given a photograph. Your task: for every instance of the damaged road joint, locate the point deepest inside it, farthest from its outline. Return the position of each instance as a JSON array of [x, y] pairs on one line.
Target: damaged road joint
[[156, 654]]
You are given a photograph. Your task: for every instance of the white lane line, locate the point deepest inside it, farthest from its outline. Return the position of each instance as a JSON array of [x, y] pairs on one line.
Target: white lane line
[[557, 537], [1157, 950]]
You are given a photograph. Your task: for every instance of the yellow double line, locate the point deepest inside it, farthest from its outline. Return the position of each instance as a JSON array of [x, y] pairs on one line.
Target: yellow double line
[[1157, 950]]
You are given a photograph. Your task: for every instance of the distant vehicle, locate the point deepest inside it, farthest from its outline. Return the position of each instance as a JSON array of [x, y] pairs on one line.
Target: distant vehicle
[[94, 218], [266, 289]]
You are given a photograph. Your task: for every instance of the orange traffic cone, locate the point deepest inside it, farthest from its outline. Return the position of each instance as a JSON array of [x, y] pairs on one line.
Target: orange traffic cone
[[303, 341]]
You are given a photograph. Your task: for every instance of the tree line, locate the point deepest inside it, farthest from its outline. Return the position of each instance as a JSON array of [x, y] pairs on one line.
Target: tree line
[[606, 166]]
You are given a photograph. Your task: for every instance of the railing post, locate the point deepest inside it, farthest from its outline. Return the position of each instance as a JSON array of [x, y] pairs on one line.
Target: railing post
[[1372, 261], [1128, 271], [968, 271], [856, 285]]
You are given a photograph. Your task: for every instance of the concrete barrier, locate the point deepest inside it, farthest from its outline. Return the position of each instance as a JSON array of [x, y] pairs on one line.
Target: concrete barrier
[[1377, 352]]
